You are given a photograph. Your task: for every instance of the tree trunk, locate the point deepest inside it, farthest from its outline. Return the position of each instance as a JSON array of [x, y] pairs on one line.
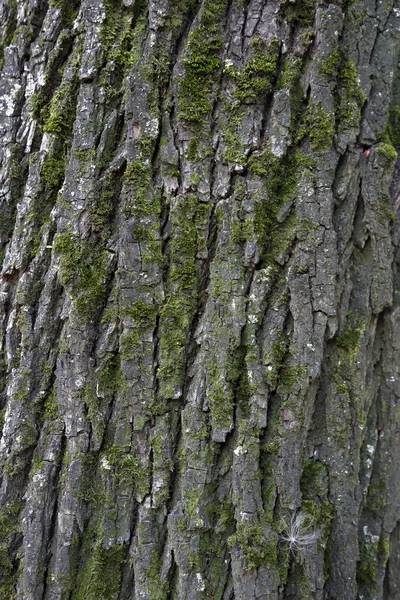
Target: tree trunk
[[200, 318]]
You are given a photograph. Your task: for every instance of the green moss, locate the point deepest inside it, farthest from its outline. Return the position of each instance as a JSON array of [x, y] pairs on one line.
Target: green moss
[[313, 478], [2, 418], [345, 376], [59, 117], [221, 402], [329, 66], [291, 73], [189, 219], [122, 34], [102, 205], [122, 463], [108, 379], [349, 340], [195, 179], [192, 150], [158, 588], [235, 151], [142, 313], [258, 74], [314, 487], [269, 491], [18, 176], [393, 125], [280, 180], [137, 174], [157, 69], [85, 271], [374, 555], [53, 170], [100, 576], [10, 527], [92, 489], [9, 28], [377, 497], [319, 126], [143, 203], [320, 513], [201, 63], [210, 561], [130, 345], [176, 317], [191, 506], [388, 153], [241, 228], [300, 12], [257, 551], [226, 514], [69, 10], [291, 376], [226, 381], [349, 97], [274, 360], [384, 550], [51, 411], [367, 567], [143, 317], [291, 79]]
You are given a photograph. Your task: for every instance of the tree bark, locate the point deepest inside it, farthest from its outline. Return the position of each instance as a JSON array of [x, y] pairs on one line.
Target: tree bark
[[200, 319]]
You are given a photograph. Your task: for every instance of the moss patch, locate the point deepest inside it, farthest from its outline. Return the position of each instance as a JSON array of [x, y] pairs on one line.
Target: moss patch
[[100, 576], [350, 97], [300, 12], [189, 219], [257, 551], [10, 526], [367, 567], [281, 176], [84, 271], [258, 74], [388, 153], [122, 34], [201, 63]]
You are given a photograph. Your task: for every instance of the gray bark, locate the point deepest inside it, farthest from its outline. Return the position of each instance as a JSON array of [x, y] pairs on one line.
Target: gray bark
[[200, 322]]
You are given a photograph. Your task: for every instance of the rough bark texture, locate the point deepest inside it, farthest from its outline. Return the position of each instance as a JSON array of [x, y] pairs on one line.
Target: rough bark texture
[[200, 322]]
